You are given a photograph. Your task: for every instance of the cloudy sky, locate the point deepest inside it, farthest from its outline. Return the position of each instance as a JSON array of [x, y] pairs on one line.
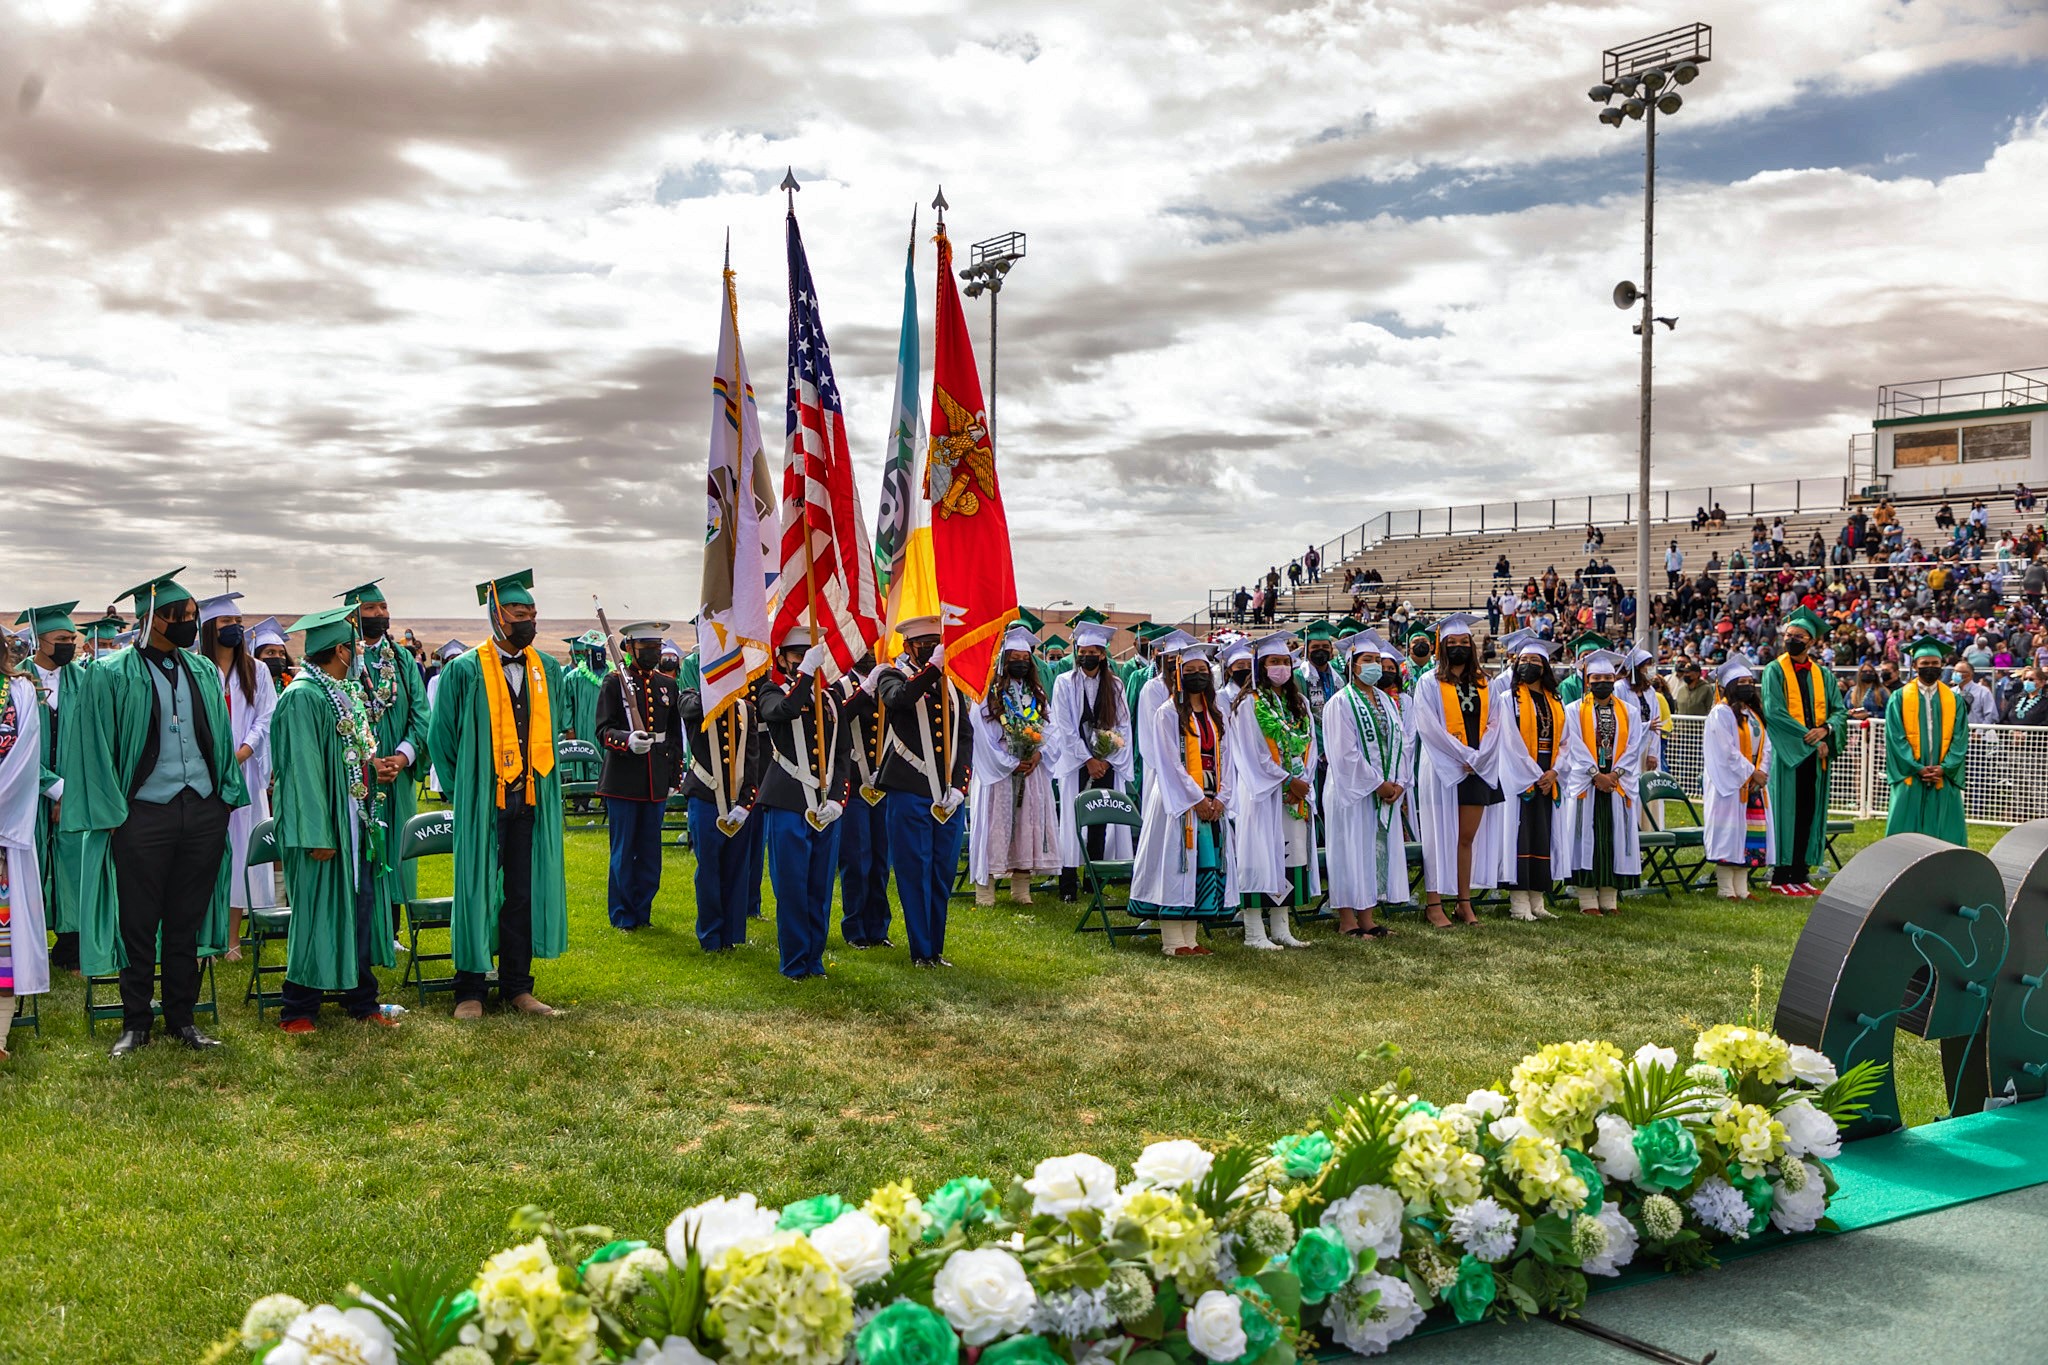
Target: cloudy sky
[[328, 289]]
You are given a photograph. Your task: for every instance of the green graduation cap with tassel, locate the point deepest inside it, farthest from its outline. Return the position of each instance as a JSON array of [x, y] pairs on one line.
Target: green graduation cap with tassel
[[43, 620], [513, 590], [326, 629], [368, 592]]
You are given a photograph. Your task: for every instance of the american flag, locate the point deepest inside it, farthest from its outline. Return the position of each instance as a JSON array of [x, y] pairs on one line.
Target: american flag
[[828, 562]]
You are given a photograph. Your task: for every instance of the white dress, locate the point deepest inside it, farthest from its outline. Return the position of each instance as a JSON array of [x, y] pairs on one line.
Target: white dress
[[21, 793], [1005, 835], [1264, 829], [1368, 863], [249, 718], [1164, 873], [1518, 773], [1445, 763], [1149, 698], [1723, 771], [1578, 791], [1073, 696]]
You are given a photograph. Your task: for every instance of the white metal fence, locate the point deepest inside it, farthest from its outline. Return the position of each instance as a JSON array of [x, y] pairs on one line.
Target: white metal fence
[[2005, 783]]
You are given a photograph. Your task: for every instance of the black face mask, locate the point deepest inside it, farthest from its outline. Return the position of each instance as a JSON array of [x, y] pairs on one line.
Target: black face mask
[[1458, 654], [277, 666], [1602, 689], [182, 634], [376, 627], [1089, 662], [1421, 656], [1016, 668], [1795, 647], [1319, 657], [1530, 673], [1930, 674], [670, 668], [518, 635], [61, 655], [229, 636], [921, 651], [1195, 684], [647, 656], [1866, 677], [1241, 676], [1743, 694]]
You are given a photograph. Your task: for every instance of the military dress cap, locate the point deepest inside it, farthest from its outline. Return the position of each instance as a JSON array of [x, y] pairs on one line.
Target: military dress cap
[[43, 620], [157, 593], [367, 592], [644, 630], [325, 629], [918, 627], [513, 590], [796, 637]]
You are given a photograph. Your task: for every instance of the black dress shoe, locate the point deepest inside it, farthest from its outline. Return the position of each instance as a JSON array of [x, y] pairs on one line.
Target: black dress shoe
[[129, 1041], [194, 1039]]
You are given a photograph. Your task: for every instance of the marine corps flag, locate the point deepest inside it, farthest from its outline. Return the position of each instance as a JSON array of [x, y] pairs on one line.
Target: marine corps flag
[[970, 534]]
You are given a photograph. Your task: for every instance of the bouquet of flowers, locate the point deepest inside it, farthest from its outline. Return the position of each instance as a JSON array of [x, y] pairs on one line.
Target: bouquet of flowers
[[1104, 744], [1345, 1234]]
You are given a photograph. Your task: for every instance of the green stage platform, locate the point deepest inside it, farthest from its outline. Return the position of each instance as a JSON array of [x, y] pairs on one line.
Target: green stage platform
[[1949, 1262]]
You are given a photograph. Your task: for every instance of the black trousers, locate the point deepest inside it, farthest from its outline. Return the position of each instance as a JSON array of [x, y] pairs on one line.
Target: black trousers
[[515, 917], [303, 1002], [1792, 868], [166, 862]]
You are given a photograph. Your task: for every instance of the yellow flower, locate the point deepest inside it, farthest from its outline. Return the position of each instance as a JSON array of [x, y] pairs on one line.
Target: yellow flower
[[896, 1207], [779, 1302], [1751, 1136], [1542, 1174], [1433, 1164], [1746, 1052], [526, 1301], [1561, 1088]]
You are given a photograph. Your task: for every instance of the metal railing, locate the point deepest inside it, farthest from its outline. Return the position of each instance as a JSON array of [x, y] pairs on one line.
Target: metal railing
[[1962, 393]]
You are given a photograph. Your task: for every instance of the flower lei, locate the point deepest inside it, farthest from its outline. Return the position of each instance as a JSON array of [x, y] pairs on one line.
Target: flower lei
[[1288, 739], [358, 742]]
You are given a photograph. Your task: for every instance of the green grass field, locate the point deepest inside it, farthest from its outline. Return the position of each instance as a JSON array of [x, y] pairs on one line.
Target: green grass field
[[147, 1203]]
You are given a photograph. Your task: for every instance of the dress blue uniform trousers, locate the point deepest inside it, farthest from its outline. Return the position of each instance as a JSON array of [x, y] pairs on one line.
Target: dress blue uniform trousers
[[802, 863], [635, 828], [863, 873], [925, 856], [722, 865]]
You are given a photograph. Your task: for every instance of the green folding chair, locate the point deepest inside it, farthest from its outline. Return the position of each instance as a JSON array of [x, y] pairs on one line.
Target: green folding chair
[[1836, 829], [428, 834], [1664, 868], [265, 926], [1106, 809], [578, 760], [96, 986]]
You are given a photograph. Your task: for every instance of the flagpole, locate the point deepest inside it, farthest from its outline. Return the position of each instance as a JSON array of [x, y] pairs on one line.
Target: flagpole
[[939, 206], [789, 188]]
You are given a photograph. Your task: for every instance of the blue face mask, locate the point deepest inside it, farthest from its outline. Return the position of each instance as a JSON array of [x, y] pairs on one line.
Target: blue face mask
[[1367, 674], [2030, 685]]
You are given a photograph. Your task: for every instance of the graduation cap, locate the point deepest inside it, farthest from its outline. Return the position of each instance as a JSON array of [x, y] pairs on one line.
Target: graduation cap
[[1171, 641], [1457, 623], [1020, 636], [670, 647], [1514, 638], [106, 628], [1029, 620], [213, 608], [1350, 625], [1603, 661], [1271, 646], [153, 596], [368, 592], [1319, 630], [1928, 647], [1196, 651], [325, 629], [1807, 622], [1236, 650], [513, 590], [43, 620], [1087, 616], [1361, 642], [265, 632], [1150, 631], [1636, 658], [1533, 643], [452, 650], [1092, 635], [1732, 672], [1589, 641], [1418, 627], [1055, 642]]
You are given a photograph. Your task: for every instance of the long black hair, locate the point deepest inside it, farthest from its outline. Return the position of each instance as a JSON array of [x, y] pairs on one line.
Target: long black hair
[[1471, 675], [1033, 683], [242, 663]]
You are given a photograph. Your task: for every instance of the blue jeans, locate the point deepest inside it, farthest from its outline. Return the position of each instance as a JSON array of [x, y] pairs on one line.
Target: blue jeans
[[925, 856], [864, 913], [635, 828], [721, 880], [801, 864]]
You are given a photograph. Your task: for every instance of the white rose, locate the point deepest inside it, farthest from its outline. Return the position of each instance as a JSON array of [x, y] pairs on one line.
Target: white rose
[[1216, 1326], [984, 1294], [1507, 1129], [1393, 1316], [1171, 1165], [856, 1245], [1809, 1131], [1791, 1210], [1369, 1216], [1066, 1184], [1650, 1053], [329, 1336], [1615, 1150], [720, 1224], [672, 1351], [1621, 1242], [1488, 1104], [1812, 1067]]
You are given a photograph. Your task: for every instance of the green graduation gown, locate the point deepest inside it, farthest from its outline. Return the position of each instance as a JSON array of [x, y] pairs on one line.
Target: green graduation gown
[[76, 857], [1916, 808], [99, 752], [461, 745], [576, 716], [313, 810], [397, 681], [1789, 749], [1571, 688], [1141, 672]]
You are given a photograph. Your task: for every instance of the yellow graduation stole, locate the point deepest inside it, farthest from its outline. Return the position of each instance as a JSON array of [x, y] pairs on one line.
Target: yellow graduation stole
[[1454, 715], [1191, 759], [540, 723], [1748, 747], [1529, 720], [1795, 702], [1587, 733], [1909, 712]]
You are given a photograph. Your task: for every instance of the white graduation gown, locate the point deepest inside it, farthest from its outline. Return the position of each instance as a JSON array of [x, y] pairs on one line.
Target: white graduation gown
[[1578, 791], [21, 792], [1149, 698], [249, 717], [1257, 808], [1723, 771], [1068, 753], [1164, 871], [433, 769], [1518, 772], [1411, 777], [989, 781], [1445, 761], [1360, 829]]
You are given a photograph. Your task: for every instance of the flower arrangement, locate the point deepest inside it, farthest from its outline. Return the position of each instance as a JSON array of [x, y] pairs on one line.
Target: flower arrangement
[[1104, 744], [1347, 1235], [1023, 722]]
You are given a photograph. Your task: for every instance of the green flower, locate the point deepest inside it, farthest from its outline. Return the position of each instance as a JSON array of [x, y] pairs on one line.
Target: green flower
[[1303, 1157], [1322, 1263], [1024, 1350], [784, 1304], [1421, 1107], [1256, 1312], [1471, 1294], [907, 1333], [1180, 1240], [1662, 1218], [1756, 1192], [609, 1252], [963, 1200], [1668, 1155], [1596, 1187], [808, 1215], [1269, 1232]]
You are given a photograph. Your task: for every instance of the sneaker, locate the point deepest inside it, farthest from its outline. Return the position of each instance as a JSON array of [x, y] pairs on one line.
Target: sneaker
[[377, 1020], [296, 1026]]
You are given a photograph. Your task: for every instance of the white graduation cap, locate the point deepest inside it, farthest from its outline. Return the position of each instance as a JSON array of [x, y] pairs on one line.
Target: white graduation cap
[[1534, 644], [1390, 650], [643, 630], [264, 633], [1508, 645], [1272, 647], [1602, 661], [1196, 651], [454, 649], [1734, 671], [1364, 642], [1017, 637], [213, 608], [1457, 623], [1237, 650], [1173, 642], [1637, 657], [670, 649], [1093, 635]]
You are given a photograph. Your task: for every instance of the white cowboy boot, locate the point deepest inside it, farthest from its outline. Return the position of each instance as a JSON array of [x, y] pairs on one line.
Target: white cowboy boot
[[1282, 931], [1255, 930], [984, 893], [1518, 906], [1020, 888]]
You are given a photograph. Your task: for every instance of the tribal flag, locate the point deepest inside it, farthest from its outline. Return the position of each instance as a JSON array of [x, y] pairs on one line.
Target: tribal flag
[[739, 557], [828, 564], [903, 536], [970, 533]]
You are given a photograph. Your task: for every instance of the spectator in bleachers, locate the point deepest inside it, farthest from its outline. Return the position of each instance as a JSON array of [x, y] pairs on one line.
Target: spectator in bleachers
[[2030, 704], [1293, 573], [1983, 706], [1980, 520], [1501, 569], [1692, 694], [1674, 566], [1312, 560], [1718, 518], [2023, 498], [1240, 602], [1868, 694], [1945, 519]]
